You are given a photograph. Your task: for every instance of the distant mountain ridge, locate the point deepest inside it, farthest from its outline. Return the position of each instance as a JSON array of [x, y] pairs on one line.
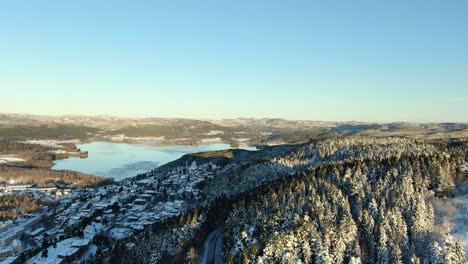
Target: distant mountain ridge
[[250, 131]]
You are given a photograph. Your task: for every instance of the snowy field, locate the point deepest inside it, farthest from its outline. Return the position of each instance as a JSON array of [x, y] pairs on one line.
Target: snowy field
[[9, 158], [123, 137], [211, 140], [50, 143], [242, 139], [214, 132]]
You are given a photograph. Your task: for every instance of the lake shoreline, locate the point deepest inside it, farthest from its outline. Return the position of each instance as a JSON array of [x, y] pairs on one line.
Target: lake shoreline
[[43, 155], [119, 160]]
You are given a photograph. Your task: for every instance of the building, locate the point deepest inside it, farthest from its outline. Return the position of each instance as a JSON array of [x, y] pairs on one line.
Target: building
[[6, 252], [6, 225], [17, 246], [139, 202], [7, 237]]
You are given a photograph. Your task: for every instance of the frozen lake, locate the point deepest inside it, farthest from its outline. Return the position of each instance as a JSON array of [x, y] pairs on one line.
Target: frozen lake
[[122, 160]]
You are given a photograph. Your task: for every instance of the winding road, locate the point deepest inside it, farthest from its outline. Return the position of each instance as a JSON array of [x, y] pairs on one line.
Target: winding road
[[213, 247]]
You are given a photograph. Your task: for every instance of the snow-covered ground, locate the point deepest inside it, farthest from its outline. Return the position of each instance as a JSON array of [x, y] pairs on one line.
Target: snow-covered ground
[[460, 226], [123, 137], [214, 132], [451, 217], [8, 260], [146, 138], [242, 139], [50, 143], [120, 233], [276, 143], [211, 140], [62, 152], [88, 254], [9, 158]]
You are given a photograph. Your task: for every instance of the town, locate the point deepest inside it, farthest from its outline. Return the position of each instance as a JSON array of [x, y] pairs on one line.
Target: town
[[66, 230]]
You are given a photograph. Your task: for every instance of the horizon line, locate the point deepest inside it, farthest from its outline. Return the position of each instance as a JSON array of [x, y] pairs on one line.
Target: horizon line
[[230, 118]]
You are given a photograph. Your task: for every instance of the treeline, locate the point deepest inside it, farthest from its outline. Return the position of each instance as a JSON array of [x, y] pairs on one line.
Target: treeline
[[13, 206], [256, 168], [35, 155], [12, 145], [47, 132], [51, 178]]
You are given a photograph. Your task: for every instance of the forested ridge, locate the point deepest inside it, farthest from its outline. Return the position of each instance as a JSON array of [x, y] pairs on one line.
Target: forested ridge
[[361, 211], [47, 131], [336, 200]]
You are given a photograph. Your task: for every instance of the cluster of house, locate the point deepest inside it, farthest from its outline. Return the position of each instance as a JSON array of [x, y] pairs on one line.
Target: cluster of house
[[135, 204], [34, 190], [12, 231], [116, 211], [64, 251]]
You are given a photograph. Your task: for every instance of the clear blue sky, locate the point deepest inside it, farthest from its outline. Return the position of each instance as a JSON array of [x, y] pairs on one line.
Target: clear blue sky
[[319, 60]]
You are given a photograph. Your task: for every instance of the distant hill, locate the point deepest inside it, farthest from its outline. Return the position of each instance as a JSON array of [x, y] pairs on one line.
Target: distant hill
[[250, 131]]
